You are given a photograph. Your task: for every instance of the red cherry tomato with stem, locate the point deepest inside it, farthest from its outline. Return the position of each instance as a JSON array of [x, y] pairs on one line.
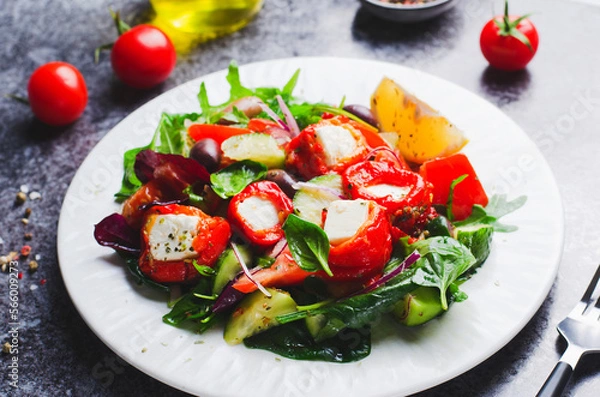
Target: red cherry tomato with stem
[[509, 43], [142, 56], [57, 93]]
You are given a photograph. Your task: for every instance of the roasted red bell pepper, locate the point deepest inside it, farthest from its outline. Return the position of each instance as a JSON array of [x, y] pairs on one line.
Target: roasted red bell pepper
[[215, 131], [174, 235], [259, 211], [308, 156], [404, 194], [363, 255], [442, 172]]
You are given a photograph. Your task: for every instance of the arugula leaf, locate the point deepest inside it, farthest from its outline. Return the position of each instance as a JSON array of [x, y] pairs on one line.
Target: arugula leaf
[[453, 185], [171, 135], [497, 207], [169, 138], [288, 88], [308, 244], [294, 341], [236, 90], [443, 260], [233, 179], [130, 182]]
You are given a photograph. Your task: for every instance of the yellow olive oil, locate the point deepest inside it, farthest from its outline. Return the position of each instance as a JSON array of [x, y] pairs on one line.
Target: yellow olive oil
[[207, 17]]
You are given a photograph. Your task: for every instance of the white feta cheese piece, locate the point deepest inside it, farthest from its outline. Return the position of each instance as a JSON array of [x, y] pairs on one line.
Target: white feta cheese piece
[[171, 237], [259, 213], [384, 189], [338, 143], [344, 218]]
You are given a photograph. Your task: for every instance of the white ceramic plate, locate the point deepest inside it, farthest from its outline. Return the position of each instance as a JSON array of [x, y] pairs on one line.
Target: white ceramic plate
[[503, 295]]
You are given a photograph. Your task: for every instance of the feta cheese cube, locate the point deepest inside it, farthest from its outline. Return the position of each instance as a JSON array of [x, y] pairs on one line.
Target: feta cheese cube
[[259, 213], [344, 219], [171, 237], [338, 143]]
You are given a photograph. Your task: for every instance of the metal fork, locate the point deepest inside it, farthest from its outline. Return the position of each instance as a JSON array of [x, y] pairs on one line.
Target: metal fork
[[581, 330]]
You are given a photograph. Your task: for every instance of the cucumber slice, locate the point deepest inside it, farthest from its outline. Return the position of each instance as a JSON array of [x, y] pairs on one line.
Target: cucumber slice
[[478, 239], [228, 267], [257, 147], [419, 306], [309, 202], [257, 313], [315, 323]]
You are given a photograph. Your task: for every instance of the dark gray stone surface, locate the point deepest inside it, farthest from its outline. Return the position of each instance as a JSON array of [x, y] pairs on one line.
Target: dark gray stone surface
[[60, 355]]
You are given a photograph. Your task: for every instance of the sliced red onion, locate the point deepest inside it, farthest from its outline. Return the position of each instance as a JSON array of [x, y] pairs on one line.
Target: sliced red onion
[[277, 248], [289, 117], [406, 263], [155, 203], [246, 271], [387, 149], [314, 186], [228, 298], [274, 116], [280, 135]]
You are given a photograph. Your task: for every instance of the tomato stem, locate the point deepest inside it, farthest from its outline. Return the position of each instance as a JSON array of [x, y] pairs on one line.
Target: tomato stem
[[509, 29], [121, 26], [17, 98]]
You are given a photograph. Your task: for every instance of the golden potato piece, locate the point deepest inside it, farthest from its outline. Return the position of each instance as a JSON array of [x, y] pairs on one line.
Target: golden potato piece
[[423, 134]]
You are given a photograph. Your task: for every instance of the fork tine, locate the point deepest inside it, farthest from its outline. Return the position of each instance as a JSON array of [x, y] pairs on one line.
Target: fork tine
[[586, 299], [590, 289]]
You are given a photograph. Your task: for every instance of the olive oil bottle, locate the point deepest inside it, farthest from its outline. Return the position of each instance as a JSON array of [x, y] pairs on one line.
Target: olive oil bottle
[[201, 20]]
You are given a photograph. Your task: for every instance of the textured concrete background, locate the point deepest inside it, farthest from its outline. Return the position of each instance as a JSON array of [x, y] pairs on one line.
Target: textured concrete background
[[60, 355]]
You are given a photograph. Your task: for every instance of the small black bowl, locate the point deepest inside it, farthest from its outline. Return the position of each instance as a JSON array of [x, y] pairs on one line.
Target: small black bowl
[[408, 13]]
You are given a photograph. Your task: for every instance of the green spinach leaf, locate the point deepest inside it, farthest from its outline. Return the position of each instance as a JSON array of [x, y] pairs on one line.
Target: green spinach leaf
[[233, 179], [443, 260], [360, 310], [293, 340]]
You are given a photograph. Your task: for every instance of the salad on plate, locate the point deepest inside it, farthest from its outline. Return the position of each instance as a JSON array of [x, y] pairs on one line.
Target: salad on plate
[[297, 225]]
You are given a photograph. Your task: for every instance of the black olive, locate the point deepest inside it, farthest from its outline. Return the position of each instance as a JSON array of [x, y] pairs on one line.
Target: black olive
[[284, 180], [208, 153], [363, 113]]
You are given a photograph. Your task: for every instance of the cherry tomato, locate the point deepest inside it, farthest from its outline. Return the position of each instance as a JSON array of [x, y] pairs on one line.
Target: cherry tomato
[[143, 56], [508, 42], [57, 93]]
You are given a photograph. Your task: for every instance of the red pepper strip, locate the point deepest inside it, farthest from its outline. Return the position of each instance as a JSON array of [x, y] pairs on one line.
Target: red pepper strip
[[371, 135], [265, 190], [213, 131], [283, 272], [442, 172], [365, 254], [307, 156], [261, 125], [212, 236]]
